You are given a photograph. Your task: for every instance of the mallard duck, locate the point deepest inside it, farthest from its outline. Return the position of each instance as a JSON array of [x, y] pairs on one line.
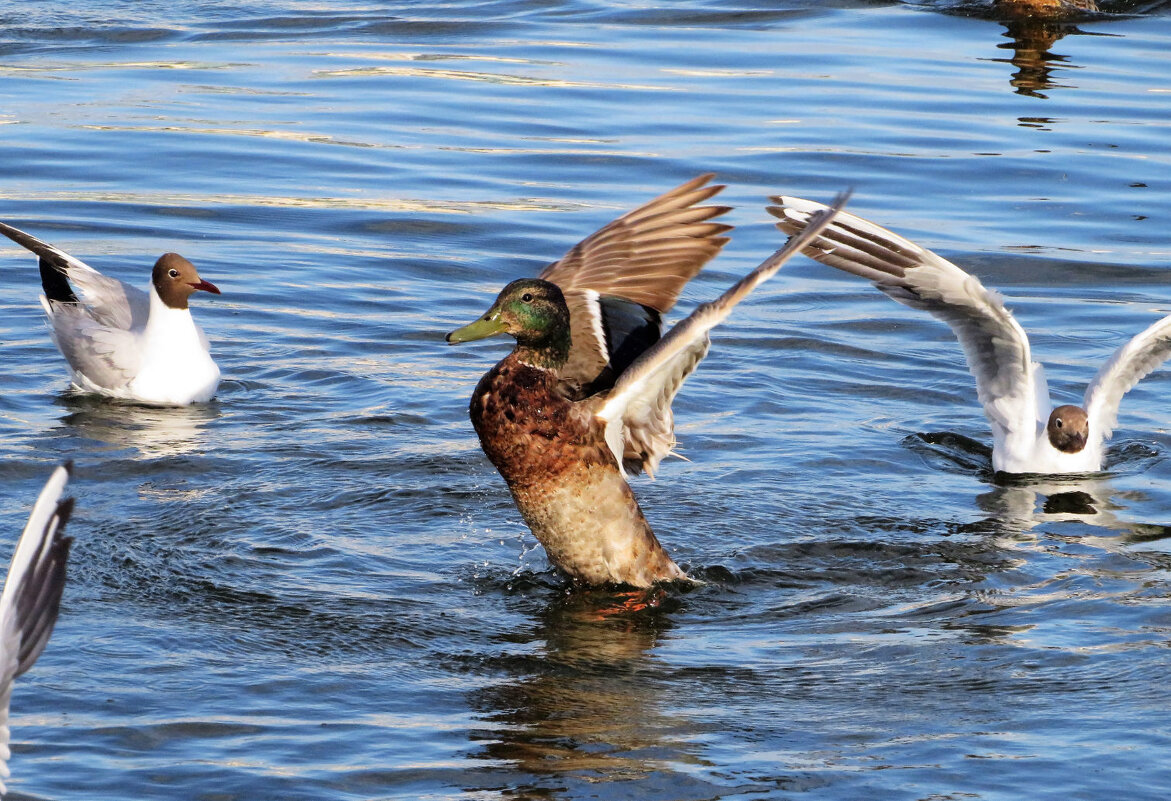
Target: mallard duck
[[1044, 9], [1030, 436], [32, 592], [564, 440], [120, 341]]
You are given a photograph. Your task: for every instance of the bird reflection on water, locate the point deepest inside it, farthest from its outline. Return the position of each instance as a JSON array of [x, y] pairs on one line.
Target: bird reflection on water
[[1065, 544], [151, 431], [1018, 507], [1032, 37], [1032, 31], [1021, 503], [1037, 65], [587, 705]]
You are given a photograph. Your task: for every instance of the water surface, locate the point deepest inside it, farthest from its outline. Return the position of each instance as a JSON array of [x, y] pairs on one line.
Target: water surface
[[317, 587]]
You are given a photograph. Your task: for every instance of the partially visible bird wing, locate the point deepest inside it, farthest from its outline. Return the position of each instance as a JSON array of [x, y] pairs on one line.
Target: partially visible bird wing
[[637, 411], [994, 343], [646, 257], [32, 592], [108, 357], [110, 301], [1122, 371]]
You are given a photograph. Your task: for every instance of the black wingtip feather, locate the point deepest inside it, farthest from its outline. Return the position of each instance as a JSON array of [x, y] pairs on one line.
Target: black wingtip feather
[[39, 600], [54, 269], [55, 283]]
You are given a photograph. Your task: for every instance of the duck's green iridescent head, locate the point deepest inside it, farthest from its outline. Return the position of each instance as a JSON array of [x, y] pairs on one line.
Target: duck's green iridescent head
[[531, 310]]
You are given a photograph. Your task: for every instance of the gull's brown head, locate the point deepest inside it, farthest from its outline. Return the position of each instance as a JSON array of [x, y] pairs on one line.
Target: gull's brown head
[[175, 279], [1068, 428]]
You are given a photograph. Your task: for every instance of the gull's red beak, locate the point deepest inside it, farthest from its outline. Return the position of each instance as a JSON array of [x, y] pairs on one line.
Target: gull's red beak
[[207, 286]]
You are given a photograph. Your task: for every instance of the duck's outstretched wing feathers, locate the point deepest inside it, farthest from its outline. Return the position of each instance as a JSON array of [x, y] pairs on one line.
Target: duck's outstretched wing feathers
[[1008, 383], [67, 279], [637, 411], [1122, 371], [620, 280], [32, 592]]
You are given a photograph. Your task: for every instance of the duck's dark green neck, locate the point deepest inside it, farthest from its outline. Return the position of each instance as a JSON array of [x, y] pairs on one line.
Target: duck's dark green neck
[[547, 350]]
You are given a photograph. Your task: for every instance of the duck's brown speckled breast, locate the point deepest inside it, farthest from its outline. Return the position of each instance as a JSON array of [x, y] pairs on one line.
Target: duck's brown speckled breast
[[553, 455]]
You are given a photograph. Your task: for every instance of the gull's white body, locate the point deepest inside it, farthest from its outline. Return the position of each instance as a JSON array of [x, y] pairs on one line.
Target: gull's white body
[[32, 592], [176, 367], [165, 362], [122, 342], [1010, 385]]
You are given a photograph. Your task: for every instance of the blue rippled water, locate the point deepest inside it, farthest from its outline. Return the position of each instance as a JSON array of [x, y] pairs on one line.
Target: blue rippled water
[[317, 587]]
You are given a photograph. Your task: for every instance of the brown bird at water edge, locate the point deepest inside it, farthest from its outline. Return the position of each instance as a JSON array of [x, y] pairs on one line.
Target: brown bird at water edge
[[1044, 9]]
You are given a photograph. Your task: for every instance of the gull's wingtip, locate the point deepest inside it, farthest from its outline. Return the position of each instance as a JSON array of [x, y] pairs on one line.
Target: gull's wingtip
[[58, 479], [784, 206], [36, 575], [26, 240], [839, 203], [815, 217], [31, 598]]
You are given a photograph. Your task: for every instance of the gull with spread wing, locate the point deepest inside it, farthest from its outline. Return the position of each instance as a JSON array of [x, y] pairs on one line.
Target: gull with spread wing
[[120, 341], [32, 593], [1030, 436], [564, 445]]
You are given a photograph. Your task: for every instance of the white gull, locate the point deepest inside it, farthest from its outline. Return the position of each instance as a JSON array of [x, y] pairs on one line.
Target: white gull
[[1029, 435], [120, 341]]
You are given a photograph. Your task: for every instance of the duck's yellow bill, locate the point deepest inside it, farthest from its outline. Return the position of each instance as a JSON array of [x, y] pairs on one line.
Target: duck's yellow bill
[[488, 325]]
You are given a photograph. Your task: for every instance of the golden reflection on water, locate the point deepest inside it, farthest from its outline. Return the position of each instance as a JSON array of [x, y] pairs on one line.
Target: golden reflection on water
[[121, 65], [462, 56], [264, 133], [1035, 62], [487, 77], [719, 73], [189, 200]]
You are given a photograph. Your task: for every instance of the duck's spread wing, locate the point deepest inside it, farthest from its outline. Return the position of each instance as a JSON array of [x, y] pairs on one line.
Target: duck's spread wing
[[68, 279], [32, 592], [637, 411], [1009, 385], [621, 279], [1125, 368], [640, 426]]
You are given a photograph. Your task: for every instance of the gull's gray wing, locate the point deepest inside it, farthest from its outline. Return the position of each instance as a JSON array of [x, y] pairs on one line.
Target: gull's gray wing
[[109, 301], [1009, 384], [1122, 371]]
